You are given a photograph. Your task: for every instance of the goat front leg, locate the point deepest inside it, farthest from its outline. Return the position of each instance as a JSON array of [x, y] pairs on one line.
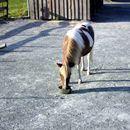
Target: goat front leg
[[79, 80]]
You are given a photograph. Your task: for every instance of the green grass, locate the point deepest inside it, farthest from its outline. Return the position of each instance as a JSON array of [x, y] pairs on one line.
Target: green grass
[[2, 13], [18, 8]]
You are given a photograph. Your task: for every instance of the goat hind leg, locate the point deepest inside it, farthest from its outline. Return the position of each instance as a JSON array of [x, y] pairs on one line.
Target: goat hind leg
[[82, 64], [88, 62], [79, 80]]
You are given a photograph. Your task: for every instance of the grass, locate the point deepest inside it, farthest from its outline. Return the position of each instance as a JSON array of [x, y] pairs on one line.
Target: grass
[[18, 8], [2, 13]]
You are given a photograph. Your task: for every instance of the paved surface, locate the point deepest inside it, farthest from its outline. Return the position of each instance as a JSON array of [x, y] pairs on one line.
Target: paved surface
[[29, 97]]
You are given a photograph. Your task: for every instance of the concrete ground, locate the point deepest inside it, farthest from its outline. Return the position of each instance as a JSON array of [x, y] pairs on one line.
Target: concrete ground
[[29, 79]]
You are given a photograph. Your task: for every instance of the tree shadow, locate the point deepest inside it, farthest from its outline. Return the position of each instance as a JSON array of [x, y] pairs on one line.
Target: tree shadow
[[104, 89], [3, 21], [20, 29], [113, 12], [43, 33]]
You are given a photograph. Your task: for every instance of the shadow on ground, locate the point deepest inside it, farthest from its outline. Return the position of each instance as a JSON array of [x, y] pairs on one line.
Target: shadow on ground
[[114, 12], [16, 31], [121, 0], [105, 71], [20, 29], [104, 89]]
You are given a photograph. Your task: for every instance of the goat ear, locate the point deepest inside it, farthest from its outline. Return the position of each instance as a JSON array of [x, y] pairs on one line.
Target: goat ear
[[59, 64]]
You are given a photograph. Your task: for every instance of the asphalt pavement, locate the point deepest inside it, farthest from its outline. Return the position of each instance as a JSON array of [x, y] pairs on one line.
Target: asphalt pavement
[[29, 78]]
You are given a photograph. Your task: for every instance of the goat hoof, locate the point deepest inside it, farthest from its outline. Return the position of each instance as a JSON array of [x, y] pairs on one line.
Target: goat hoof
[[88, 73], [60, 87], [79, 81], [66, 91], [82, 69]]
